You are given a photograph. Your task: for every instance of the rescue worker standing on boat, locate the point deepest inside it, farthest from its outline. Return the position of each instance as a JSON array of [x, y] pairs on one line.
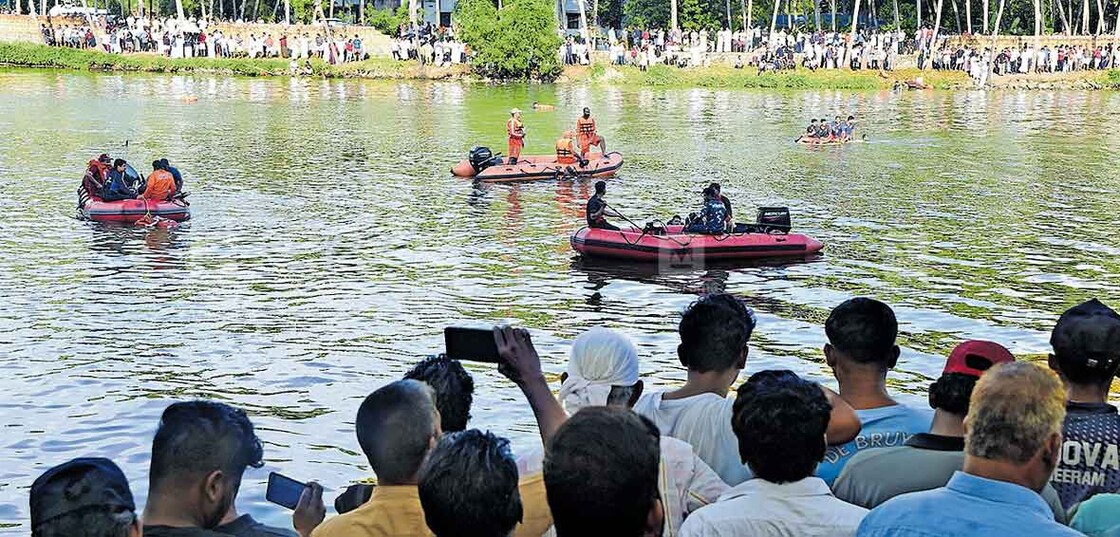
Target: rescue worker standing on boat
[[597, 209], [516, 131], [588, 134], [566, 152]]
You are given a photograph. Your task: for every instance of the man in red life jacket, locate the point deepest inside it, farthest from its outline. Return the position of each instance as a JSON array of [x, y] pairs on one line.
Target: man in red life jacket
[[588, 134], [516, 130], [96, 175]]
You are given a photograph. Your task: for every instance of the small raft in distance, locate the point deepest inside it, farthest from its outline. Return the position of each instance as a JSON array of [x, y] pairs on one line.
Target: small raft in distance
[[487, 167]]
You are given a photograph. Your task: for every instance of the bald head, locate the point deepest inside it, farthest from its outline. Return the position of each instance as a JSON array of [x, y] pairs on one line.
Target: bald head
[[396, 426]]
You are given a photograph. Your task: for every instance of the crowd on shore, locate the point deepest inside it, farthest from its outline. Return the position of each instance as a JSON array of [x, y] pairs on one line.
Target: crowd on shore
[[191, 38], [429, 45], [1006, 448], [1026, 59], [782, 49]]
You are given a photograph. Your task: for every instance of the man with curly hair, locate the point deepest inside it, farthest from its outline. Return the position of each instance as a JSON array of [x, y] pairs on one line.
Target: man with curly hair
[[780, 421]]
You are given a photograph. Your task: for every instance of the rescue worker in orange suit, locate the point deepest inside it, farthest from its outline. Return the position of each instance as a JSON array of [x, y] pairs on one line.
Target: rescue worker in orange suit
[[160, 185], [588, 135], [516, 130], [566, 152], [97, 174]]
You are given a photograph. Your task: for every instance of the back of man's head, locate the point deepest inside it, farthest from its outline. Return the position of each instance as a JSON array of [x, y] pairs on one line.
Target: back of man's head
[[1086, 342], [967, 362], [396, 425], [1015, 409], [196, 438], [780, 421], [601, 473], [468, 486], [714, 334], [864, 330], [83, 497], [453, 386]]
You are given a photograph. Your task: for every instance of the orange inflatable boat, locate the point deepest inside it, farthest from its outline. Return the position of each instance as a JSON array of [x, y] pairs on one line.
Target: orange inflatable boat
[[485, 166]]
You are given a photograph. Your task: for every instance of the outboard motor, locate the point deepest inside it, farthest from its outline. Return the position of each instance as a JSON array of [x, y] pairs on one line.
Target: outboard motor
[[481, 158], [773, 220]]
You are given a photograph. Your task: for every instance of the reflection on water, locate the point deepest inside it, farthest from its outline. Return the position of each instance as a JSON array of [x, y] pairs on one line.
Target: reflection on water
[[329, 246]]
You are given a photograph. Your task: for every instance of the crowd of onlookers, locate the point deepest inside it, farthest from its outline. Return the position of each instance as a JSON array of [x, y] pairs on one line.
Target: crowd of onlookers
[[429, 45], [192, 38], [1006, 447], [1026, 59]]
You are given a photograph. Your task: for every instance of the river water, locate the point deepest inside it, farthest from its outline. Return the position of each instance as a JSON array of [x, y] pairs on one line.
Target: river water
[[329, 246]]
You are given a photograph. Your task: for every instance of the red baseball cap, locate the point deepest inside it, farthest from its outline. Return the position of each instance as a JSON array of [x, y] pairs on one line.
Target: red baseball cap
[[974, 357]]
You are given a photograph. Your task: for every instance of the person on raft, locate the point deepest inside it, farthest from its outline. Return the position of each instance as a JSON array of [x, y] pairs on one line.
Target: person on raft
[[566, 152], [729, 221], [161, 183], [97, 175], [588, 134], [516, 131], [712, 219], [174, 173], [120, 185], [597, 209]]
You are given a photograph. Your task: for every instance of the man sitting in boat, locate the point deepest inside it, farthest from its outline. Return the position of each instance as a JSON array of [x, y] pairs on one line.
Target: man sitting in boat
[[174, 173], [566, 152], [589, 134], [120, 186], [597, 209], [96, 175], [160, 185], [729, 220], [712, 219]]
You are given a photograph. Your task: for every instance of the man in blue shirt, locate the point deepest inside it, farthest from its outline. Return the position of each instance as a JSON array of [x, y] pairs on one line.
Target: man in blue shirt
[[119, 186], [1013, 439], [174, 173], [861, 349], [712, 219]]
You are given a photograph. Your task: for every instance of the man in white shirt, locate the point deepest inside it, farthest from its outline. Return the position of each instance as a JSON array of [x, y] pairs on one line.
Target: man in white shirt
[[714, 335], [780, 421]]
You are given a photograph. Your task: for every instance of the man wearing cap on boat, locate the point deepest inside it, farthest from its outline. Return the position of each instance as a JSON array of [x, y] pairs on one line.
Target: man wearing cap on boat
[[516, 130]]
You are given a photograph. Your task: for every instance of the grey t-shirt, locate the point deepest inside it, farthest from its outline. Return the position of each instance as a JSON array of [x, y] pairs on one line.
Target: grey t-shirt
[[925, 462]]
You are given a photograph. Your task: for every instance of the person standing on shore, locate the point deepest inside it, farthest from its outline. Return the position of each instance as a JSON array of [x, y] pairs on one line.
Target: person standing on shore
[[516, 131]]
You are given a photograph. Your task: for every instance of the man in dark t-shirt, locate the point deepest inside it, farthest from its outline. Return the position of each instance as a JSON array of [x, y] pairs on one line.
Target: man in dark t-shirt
[[1086, 344], [597, 209], [730, 218]]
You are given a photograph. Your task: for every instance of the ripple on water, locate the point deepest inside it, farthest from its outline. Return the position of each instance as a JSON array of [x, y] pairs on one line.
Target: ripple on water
[[329, 246]]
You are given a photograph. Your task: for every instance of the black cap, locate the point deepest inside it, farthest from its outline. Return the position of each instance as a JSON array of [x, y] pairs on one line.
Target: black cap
[[76, 485], [586, 110], [1090, 333]]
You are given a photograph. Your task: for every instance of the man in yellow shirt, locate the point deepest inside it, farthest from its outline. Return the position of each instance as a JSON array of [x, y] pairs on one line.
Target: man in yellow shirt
[[398, 424]]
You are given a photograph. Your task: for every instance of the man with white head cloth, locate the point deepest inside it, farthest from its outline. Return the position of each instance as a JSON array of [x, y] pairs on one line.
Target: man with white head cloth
[[603, 371]]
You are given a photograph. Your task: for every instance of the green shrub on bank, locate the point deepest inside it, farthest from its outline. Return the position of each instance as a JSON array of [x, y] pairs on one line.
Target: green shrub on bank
[[388, 21], [518, 41], [1112, 79]]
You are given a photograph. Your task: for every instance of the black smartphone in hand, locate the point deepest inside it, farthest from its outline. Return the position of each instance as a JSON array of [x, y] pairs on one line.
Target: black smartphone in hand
[[473, 344], [283, 490]]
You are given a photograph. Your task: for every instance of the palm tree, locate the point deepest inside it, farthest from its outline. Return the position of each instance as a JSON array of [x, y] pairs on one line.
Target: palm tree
[[995, 36], [936, 28], [852, 36], [774, 18], [673, 14], [1037, 25], [986, 11], [179, 9], [968, 15]]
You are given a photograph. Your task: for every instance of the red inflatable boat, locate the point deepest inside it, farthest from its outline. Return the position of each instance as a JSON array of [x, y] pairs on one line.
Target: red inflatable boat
[[130, 211], [636, 245], [536, 167]]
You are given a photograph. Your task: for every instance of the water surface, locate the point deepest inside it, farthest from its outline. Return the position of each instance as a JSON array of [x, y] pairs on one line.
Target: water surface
[[329, 245]]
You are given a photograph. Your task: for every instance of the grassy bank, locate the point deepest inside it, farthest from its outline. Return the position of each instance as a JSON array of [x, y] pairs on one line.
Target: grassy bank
[[32, 55], [722, 76], [660, 76]]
